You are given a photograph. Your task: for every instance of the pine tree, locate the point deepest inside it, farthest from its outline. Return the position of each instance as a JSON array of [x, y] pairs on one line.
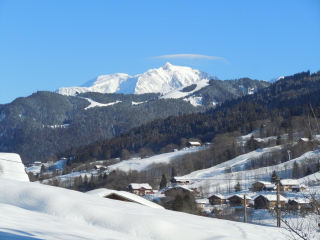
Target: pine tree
[[163, 182], [295, 170], [42, 169], [173, 173], [237, 187], [278, 142], [274, 177]]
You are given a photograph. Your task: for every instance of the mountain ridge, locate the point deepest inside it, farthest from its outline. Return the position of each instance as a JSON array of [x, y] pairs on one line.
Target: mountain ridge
[[159, 80]]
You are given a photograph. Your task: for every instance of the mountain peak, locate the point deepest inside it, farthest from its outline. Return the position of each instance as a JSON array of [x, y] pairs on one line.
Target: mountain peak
[[160, 80], [167, 65]]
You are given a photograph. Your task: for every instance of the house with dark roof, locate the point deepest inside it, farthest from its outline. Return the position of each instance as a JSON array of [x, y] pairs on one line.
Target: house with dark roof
[[217, 199], [262, 186], [268, 201], [238, 200]]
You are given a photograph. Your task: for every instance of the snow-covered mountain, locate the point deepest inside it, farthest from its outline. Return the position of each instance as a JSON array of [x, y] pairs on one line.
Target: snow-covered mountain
[[160, 80]]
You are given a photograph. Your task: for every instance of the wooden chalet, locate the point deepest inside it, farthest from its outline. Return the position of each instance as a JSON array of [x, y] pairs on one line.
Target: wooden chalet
[[201, 203], [217, 199], [288, 185], [100, 168], [139, 189], [262, 186], [238, 200], [174, 191], [175, 181], [268, 201], [299, 204]]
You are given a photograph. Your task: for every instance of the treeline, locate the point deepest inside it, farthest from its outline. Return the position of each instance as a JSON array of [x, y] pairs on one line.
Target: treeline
[[32, 121]]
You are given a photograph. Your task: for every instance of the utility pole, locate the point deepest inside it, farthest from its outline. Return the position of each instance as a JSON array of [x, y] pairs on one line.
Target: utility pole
[[278, 202], [245, 208]]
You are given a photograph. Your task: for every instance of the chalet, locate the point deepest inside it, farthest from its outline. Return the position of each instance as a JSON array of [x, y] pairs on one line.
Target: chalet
[[268, 201], [262, 186], [174, 191], [288, 185], [299, 204], [123, 196], [37, 163], [175, 181], [197, 193], [237, 200], [140, 189], [193, 144], [217, 199], [100, 168], [201, 203]]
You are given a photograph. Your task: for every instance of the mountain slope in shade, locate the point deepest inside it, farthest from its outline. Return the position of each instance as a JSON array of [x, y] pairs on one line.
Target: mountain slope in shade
[[160, 80]]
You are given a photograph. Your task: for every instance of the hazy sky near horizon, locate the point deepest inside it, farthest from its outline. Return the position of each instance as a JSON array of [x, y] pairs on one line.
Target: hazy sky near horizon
[[45, 45]]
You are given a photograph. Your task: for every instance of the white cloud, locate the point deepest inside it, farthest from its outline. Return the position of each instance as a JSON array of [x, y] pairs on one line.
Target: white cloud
[[189, 56]]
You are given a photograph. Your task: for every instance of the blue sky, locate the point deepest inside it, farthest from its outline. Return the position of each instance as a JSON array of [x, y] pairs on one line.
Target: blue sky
[[45, 45]]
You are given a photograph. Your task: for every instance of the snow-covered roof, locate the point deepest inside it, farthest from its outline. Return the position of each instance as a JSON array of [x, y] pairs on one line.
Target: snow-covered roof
[[140, 185], [100, 166], [240, 196], [304, 139], [266, 183], [103, 192], [290, 182], [202, 201], [218, 195], [179, 187], [183, 179], [300, 200], [195, 143], [272, 197]]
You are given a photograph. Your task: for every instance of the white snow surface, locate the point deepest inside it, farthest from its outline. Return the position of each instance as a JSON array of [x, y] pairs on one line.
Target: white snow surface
[[160, 80], [178, 93], [142, 164], [96, 104], [11, 167], [103, 192], [32, 211]]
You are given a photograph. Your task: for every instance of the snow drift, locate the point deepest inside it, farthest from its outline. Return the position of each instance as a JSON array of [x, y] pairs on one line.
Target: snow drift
[[35, 211]]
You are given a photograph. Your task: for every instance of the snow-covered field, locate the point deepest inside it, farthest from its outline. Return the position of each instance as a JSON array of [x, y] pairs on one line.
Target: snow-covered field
[[33, 211], [56, 165]]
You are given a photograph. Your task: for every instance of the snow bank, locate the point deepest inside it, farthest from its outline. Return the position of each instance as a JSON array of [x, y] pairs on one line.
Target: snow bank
[[11, 167], [39, 211]]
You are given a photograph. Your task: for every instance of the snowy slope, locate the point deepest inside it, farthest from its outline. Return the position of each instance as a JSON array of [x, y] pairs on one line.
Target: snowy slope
[[32, 211], [11, 167], [160, 80], [141, 164]]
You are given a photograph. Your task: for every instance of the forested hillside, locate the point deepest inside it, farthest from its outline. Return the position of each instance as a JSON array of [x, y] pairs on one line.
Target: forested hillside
[[47, 123], [286, 98]]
